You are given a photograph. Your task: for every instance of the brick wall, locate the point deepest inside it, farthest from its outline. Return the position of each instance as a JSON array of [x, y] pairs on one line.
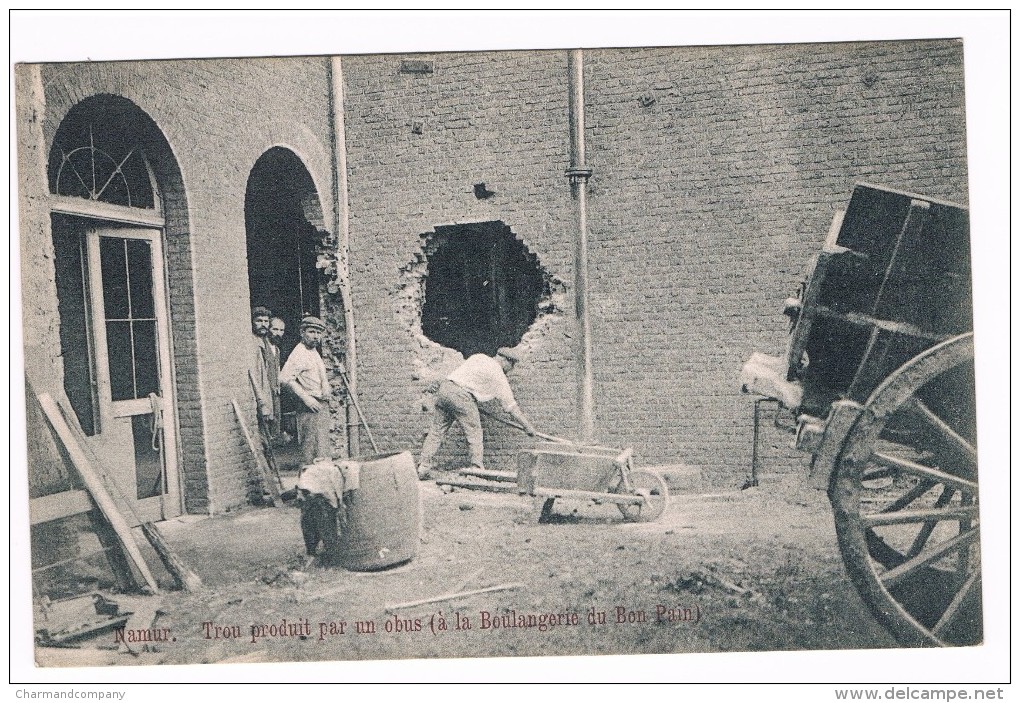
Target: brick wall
[[716, 174], [492, 118], [717, 171], [217, 118]]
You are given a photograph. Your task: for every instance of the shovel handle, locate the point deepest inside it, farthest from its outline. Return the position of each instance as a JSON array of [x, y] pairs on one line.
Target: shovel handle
[[552, 438], [540, 435]]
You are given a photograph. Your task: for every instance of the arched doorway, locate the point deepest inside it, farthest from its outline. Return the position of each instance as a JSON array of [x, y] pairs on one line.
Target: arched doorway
[[284, 226], [285, 234], [109, 223]]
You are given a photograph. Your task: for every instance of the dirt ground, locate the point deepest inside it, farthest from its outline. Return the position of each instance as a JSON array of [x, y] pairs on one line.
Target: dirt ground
[[751, 570]]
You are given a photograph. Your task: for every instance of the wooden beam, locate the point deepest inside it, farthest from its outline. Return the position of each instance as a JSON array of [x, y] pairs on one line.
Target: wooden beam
[[570, 494], [124, 506], [490, 475], [260, 460], [917, 218], [99, 210], [490, 486], [59, 505], [185, 577], [95, 487], [143, 612], [450, 596]]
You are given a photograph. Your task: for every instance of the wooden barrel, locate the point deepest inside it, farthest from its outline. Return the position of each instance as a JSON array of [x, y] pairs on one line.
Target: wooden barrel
[[383, 524]]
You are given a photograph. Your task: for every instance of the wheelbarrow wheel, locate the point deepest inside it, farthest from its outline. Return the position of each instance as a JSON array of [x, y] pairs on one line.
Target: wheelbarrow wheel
[[652, 487], [911, 546]]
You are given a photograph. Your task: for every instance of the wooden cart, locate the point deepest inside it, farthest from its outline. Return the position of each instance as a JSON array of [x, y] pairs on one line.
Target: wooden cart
[[597, 474], [879, 371]]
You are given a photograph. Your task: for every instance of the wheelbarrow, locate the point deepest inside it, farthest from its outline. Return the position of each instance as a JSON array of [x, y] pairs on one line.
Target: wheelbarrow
[[564, 470], [561, 469]]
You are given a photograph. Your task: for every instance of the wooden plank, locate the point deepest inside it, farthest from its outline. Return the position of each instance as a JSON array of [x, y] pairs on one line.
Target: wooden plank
[[491, 487], [260, 461], [872, 368], [128, 577], [82, 630], [124, 506], [464, 582], [185, 577], [59, 505], [490, 475], [267, 446], [917, 218], [861, 320], [801, 334], [143, 613], [95, 487], [621, 498], [107, 536], [99, 210], [450, 596], [570, 471]]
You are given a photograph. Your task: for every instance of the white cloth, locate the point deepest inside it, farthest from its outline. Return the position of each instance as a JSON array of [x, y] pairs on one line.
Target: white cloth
[[305, 367], [330, 480], [483, 377]]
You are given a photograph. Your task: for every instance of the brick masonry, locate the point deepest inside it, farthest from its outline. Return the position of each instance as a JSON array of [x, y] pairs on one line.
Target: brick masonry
[[716, 173], [217, 118]]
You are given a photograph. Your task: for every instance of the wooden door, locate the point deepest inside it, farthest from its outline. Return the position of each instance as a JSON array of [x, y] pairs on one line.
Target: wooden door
[[136, 437]]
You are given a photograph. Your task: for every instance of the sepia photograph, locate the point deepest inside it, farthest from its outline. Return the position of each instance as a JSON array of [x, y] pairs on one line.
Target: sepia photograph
[[476, 351]]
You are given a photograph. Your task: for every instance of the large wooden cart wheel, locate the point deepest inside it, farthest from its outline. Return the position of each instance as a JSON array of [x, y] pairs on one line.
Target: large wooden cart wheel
[[912, 545], [650, 486]]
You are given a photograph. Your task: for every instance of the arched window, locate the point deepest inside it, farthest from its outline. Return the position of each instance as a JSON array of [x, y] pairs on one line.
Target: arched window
[[98, 154]]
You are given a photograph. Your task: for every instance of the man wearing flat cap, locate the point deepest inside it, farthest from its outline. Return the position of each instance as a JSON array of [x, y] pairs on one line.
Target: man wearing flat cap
[[305, 375], [478, 380]]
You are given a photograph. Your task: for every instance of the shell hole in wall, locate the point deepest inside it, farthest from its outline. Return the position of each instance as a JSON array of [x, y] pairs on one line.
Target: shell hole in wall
[[482, 289]]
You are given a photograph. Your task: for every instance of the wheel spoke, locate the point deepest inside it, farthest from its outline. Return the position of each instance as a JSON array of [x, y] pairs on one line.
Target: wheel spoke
[[962, 560], [910, 548], [956, 603], [904, 570], [911, 467], [960, 512], [909, 497], [925, 532], [878, 473], [952, 437]]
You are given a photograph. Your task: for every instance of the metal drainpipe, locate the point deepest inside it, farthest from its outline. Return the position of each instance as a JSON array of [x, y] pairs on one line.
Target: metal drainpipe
[[578, 173], [341, 208]]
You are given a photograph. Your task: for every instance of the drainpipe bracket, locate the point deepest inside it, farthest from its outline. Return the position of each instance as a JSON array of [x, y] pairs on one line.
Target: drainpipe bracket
[[578, 173]]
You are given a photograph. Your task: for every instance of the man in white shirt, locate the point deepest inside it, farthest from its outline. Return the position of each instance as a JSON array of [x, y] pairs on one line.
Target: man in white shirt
[[479, 379], [305, 375]]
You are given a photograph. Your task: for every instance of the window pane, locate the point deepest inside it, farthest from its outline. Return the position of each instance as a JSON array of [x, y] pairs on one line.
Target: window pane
[[118, 344], [139, 259], [115, 288], [146, 366], [97, 154]]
